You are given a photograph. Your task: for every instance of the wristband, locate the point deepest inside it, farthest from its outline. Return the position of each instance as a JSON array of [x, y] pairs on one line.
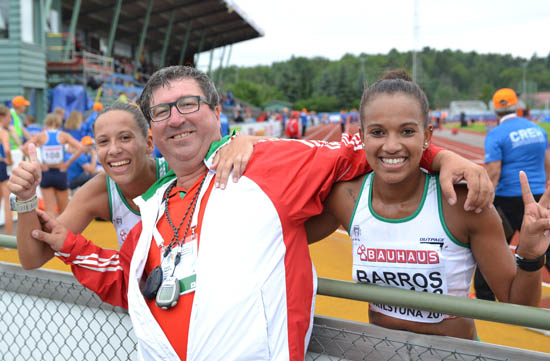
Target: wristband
[[23, 206], [530, 265]]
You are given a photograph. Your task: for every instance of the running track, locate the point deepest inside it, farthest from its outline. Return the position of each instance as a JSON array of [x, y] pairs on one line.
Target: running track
[[332, 133]]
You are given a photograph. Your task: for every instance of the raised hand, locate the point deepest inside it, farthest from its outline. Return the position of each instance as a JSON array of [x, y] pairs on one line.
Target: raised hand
[[26, 177], [534, 236], [53, 233]]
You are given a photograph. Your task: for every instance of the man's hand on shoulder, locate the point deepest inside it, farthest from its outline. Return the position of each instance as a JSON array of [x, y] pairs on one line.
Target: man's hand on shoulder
[[455, 169]]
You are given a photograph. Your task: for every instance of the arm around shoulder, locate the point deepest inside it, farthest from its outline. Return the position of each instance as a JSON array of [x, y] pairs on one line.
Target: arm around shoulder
[[338, 210], [454, 169]]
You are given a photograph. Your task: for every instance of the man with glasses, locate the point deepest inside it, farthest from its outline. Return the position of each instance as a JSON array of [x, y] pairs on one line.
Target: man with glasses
[[220, 275]]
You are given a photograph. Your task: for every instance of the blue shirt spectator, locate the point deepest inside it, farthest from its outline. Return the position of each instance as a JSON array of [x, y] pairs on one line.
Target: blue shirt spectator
[[84, 167], [520, 145], [224, 122], [88, 126], [33, 129], [76, 168]]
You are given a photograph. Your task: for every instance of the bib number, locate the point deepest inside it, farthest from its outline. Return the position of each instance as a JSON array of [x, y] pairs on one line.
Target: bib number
[[52, 154]]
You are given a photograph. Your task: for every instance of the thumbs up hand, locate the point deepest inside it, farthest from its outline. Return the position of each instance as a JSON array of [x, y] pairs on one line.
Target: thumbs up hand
[[26, 177]]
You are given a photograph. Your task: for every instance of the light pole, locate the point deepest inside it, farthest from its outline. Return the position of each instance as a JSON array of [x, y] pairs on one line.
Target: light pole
[[415, 32], [524, 82], [363, 74]]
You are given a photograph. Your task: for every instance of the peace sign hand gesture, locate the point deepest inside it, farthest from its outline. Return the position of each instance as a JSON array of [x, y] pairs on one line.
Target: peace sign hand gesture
[[534, 236]]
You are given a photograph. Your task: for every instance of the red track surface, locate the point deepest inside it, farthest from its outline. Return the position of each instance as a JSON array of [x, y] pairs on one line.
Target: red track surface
[[332, 133]]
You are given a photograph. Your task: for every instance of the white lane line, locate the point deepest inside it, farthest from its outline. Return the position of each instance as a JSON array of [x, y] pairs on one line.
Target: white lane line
[[318, 129], [334, 129]]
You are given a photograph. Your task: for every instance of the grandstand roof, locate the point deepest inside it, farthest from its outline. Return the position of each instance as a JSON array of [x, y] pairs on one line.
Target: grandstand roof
[[222, 20]]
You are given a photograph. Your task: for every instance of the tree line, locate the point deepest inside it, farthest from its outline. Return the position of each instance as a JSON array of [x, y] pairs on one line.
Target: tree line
[[331, 85]]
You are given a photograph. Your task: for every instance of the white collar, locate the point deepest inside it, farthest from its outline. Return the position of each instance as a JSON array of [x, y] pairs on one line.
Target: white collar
[[508, 117]]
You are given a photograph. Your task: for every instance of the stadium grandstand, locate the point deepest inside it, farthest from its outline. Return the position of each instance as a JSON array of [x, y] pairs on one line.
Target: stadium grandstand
[[109, 47]]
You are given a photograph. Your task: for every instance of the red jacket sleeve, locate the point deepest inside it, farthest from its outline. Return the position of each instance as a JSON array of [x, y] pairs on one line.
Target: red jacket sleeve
[[428, 156], [103, 271], [298, 175]]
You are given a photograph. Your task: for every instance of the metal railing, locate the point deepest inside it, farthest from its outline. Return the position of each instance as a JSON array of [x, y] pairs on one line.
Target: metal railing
[[8, 241], [450, 305]]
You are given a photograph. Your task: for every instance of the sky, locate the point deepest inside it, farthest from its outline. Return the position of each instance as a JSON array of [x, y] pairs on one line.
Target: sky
[[333, 28]]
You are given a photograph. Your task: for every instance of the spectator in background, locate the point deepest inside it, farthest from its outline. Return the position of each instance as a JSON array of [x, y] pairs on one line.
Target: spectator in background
[[292, 129], [343, 121], [73, 124], [88, 126], [463, 122], [60, 112], [5, 161], [31, 126], [284, 116], [156, 151], [224, 122], [52, 142], [118, 65], [237, 114], [514, 144], [249, 117], [443, 118], [19, 106], [354, 116], [262, 117], [84, 167], [122, 98], [303, 121]]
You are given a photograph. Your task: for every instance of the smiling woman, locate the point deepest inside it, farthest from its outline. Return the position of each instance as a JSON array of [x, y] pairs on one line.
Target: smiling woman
[[405, 236], [123, 147]]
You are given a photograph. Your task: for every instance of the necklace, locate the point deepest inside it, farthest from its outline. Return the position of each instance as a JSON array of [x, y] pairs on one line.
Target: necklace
[[167, 291], [175, 238]]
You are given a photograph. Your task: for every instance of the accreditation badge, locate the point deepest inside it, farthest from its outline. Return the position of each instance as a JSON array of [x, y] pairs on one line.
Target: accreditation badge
[[186, 269]]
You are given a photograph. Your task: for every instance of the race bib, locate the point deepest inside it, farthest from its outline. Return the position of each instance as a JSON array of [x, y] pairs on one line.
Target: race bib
[[52, 154], [419, 268]]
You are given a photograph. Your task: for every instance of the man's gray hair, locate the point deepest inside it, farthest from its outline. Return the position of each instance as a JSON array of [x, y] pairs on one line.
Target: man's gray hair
[[166, 75]]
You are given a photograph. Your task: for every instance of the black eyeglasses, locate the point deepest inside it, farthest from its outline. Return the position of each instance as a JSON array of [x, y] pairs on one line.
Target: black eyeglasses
[[184, 105]]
